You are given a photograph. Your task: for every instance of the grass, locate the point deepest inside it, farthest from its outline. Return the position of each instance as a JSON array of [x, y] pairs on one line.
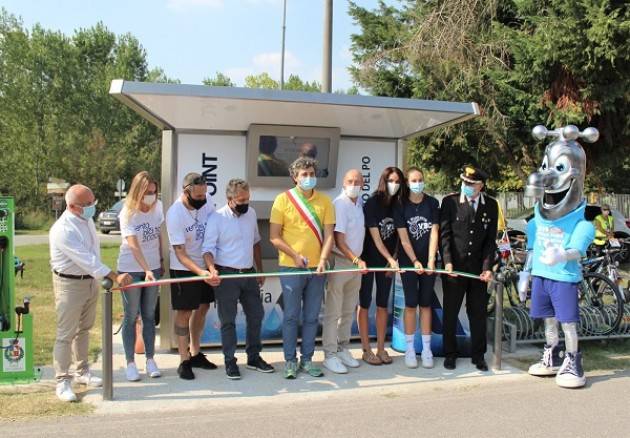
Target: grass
[[38, 400], [25, 232], [607, 355], [37, 283]]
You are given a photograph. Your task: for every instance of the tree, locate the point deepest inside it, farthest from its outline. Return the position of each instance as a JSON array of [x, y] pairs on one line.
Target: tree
[[262, 80], [57, 118], [525, 62], [219, 80]]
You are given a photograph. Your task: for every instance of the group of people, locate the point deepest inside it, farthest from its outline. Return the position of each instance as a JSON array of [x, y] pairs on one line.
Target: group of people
[[399, 226]]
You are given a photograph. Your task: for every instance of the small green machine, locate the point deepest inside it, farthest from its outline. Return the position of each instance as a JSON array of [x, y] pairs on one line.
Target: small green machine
[[16, 323]]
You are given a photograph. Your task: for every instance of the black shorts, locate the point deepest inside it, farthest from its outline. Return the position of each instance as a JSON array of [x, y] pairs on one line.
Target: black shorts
[[383, 288], [188, 296], [418, 289]]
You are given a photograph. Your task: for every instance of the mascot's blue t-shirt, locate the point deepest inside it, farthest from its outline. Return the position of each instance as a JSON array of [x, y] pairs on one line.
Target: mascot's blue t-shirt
[[569, 232]]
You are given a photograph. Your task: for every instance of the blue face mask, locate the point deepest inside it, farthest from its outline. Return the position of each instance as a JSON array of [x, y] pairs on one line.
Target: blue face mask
[[416, 187], [468, 191], [308, 183], [88, 212]]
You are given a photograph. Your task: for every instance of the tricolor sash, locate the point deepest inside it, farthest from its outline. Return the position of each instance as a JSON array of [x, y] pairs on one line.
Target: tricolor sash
[[307, 212]]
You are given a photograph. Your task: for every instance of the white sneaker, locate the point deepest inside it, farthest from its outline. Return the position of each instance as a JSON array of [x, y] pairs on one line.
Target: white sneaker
[[64, 392], [347, 359], [411, 361], [334, 364], [152, 369], [427, 358], [88, 379], [132, 372]]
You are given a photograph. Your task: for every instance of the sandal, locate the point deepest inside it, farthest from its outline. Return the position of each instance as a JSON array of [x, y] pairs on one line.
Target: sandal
[[384, 357], [370, 358]]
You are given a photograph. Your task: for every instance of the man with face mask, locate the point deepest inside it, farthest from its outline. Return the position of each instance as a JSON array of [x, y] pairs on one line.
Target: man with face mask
[[186, 222], [468, 230], [604, 227], [76, 265], [231, 245], [342, 293], [301, 228]]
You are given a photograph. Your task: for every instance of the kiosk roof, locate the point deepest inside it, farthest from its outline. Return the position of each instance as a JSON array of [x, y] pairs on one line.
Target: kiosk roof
[[199, 107]]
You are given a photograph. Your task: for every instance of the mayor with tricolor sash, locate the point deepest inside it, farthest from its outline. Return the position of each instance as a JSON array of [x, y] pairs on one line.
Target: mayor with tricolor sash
[[301, 228]]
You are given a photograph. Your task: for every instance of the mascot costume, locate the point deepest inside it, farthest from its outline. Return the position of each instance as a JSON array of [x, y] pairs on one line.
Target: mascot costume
[[557, 238]]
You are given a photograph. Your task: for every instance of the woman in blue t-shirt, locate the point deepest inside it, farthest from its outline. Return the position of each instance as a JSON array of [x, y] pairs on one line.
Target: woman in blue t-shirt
[[417, 222], [379, 249]]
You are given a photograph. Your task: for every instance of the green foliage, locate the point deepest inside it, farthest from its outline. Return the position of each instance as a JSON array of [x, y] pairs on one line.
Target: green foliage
[[219, 80], [33, 220], [262, 80], [525, 62], [57, 118], [295, 83]]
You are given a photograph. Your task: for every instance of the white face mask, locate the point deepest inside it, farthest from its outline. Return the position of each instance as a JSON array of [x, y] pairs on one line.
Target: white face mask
[[352, 191], [392, 188], [149, 199]]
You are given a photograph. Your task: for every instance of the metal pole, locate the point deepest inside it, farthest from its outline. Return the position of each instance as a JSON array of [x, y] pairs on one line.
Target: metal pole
[[108, 369], [327, 53], [284, 30], [498, 322]]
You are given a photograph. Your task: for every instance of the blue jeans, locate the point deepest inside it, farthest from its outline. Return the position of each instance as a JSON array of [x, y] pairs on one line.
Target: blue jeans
[[143, 301], [302, 295]]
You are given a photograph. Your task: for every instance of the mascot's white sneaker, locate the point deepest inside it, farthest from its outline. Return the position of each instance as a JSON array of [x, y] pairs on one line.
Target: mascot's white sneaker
[[571, 374], [549, 364]]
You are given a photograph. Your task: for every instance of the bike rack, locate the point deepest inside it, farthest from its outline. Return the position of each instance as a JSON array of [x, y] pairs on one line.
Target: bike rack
[[520, 328]]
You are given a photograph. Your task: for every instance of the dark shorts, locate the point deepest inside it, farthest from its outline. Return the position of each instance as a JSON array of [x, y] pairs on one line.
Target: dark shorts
[[557, 299], [383, 289], [418, 289], [188, 296]]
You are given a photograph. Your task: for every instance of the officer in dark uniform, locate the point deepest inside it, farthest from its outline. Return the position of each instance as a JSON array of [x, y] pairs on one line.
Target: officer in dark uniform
[[468, 229]]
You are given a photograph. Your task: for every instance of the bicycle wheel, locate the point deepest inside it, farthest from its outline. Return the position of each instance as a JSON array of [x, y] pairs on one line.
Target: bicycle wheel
[[601, 305]]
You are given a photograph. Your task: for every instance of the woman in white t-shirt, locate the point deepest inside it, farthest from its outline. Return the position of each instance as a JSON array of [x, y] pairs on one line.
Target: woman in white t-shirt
[[140, 256]]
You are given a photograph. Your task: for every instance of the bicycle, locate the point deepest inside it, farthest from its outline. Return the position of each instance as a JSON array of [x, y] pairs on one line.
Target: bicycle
[[607, 264], [510, 259], [600, 301], [601, 305]]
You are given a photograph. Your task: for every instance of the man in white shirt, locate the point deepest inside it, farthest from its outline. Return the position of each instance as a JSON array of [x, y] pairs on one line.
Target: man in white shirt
[[231, 246], [185, 222], [76, 265], [342, 293]]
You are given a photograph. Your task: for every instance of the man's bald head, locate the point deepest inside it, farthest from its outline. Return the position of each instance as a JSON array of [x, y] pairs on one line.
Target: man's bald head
[[78, 196], [353, 177]]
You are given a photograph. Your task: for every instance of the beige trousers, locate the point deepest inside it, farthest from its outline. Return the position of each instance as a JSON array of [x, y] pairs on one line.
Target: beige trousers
[[75, 304], [342, 296]]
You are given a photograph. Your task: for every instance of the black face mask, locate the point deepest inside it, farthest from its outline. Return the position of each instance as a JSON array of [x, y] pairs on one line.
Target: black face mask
[[196, 203], [241, 208]]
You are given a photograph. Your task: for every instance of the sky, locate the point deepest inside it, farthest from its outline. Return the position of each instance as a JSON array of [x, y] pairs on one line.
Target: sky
[[194, 39]]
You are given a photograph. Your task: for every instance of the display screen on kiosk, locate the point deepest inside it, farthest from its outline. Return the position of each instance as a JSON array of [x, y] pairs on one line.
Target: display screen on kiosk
[[271, 149]]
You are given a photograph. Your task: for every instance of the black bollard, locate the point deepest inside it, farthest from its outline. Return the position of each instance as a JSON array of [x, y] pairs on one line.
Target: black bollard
[[498, 321], [108, 370]]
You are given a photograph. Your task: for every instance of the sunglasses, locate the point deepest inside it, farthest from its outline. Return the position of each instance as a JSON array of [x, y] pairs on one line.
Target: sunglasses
[[200, 180]]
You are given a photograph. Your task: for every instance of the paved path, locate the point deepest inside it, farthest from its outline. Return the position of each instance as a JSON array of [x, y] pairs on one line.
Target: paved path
[[38, 239], [402, 405], [369, 401]]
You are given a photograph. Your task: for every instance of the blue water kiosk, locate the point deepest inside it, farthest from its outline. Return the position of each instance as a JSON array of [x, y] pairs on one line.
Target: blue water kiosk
[[228, 132]]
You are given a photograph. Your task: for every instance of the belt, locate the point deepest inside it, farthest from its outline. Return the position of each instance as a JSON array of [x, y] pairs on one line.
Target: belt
[[229, 270], [72, 277]]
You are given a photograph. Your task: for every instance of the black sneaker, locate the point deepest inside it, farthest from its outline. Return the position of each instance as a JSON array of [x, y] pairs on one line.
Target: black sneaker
[[200, 361], [184, 370], [257, 363], [231, 369]]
